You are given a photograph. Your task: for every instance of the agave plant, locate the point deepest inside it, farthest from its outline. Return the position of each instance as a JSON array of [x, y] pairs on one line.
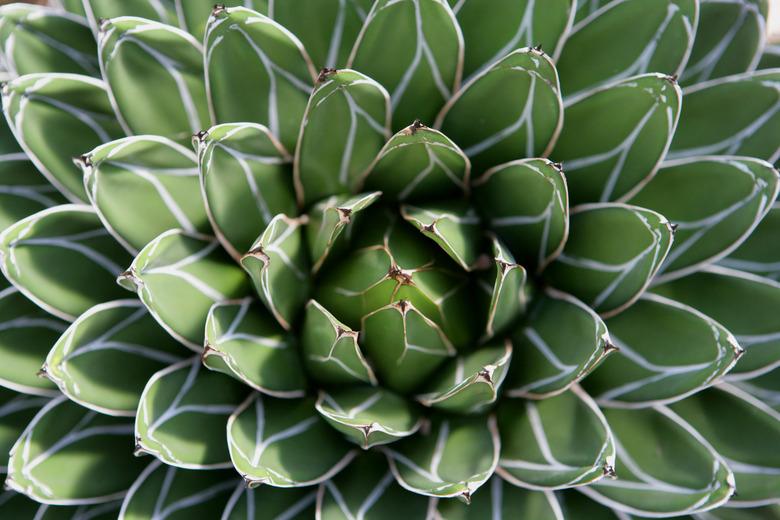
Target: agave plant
[[390, 259]]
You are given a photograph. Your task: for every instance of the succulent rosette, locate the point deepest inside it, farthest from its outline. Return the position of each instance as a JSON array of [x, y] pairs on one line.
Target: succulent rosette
[[357, 259]]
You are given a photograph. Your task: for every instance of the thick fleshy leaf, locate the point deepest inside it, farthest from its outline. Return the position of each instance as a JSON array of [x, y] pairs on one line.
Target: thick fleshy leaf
[[39, 39], [244, 341], [367, 490], [425, 66], [245, 179], [626, 38], [747, 305], [709, 223], [157, 10], [107, 355], [770, 59], [16, 411], [182, 415], [616, 136], [765, 387], [248, 52], [729, 39], [279, 265], [503, 501], [72, 6], [162, 491], [613, 252], [77, 106], [135, 54], [193, 15], [576, 506], [526, 203], [284, 443], [69, 455], [149, 172], [561, 341], [555, 443], [664, 466], [179, 276], [347, 121], [711, 123], [668, 351], [758, 254], [269, 503], [419, 163], [508, 294], [511, 110], [744, 431], [62, 259], [369, 416]]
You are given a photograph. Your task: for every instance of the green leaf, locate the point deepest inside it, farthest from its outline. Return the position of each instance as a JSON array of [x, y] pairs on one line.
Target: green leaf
[[745, 304], [179, 276], [346, 123], [508, 294], [107, 355], [668, 351], [526, 203], [426, 64], [330, 349], [284, 443], [72, 6], [369, 416], [77, 106], [616, 136], [162, 491], [182, 414], [269, 503], [90, 449], [244, 341], [729, 39], [664, 466], [711, 123], [149, 172], [452, 458], [366, 489], [765, 387], [613, 252], [503, 502], [419, 163], [136, 53], [510, 110], [16, 505], [62, 259], [744, 431], [193, 15], [770, 59], [758, 254], [492, 29], [40, 39], [561, 341], [626, 38], [278, 265], [16, 411], [576, 506], [245, 179], [248, 52], [555, 443], [156, 10], [709, 224]]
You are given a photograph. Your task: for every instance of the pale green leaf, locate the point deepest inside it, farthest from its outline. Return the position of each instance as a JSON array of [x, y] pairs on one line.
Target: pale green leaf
[[156, 10], [16, 411], [503, 501], [269, 503], [509, 292], [758, 254]]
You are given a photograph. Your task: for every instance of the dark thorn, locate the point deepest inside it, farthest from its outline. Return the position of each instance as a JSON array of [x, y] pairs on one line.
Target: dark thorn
[[486, 375], [102, 24], [324, 73], [84, 160], [402, 305], [558, 166], [430, 228], [674, 227], [207, 348], [672, 79], [503, 267], [344, 215], [466, 497], [250, 483], [259, 254], [201, 136], [43, 372], [397, 274], [138, 449], [610, 347], [609, 471], [416, 125], [341, 332], [538, 48], [218, 9]]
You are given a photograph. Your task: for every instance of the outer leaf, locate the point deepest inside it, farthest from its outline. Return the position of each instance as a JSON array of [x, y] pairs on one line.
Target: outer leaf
[[503, 502], [561, 341], [453, 225], [709, 226], [182, 414], [283, 443], [709, 124], [757, 253], [369, 416], [193, 15], [136, 53], [62, 259], [248, 52], [77, 106], [576, 506], [72, 6], [610, 153], [179, 276], [656, 449], [346, 123], [149, 172], [526, 203], [107, 355], [770, 59], [162, 491], [16, 505], [745, 304], [64, 437], [667, 351], [157, 10], [16, 411], [508, 294], [626, 38], [765, 387], [425, 67], [510, 110], [269, 503], [613, 252], [244, 341], [452, 459]]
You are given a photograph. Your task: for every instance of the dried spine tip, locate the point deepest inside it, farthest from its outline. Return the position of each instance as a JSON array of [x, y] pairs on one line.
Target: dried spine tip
[[673, 227], [486, 375], [43, 372], [201, 136], [402, 305], [430, 228], [538, 48], [260, 254], [609, 471], [218, 10], [672, 79], [324, 73], [398, 274], [345, 215], [558, 166], [610, 347]]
